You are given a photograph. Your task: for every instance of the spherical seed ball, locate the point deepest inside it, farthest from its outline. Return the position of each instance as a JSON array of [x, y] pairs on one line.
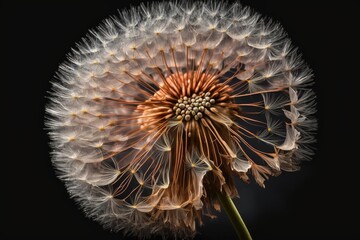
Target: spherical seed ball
[[117, 113]]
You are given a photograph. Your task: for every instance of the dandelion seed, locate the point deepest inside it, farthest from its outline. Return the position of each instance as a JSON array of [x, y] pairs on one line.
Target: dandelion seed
[[158, 110]]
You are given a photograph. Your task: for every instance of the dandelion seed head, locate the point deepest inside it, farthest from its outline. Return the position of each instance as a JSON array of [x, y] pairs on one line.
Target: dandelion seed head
[[161, 107]]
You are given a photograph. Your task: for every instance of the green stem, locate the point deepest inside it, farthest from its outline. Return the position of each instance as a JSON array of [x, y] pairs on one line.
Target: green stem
[[233, 214]]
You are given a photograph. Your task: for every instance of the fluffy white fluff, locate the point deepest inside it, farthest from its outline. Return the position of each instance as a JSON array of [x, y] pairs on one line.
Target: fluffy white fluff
[[94, 143]]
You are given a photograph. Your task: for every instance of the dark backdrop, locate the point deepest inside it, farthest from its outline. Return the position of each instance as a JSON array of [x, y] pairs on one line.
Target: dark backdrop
[[318, 201]]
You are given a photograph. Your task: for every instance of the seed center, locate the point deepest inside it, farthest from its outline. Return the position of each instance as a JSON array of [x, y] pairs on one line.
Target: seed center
[[193, 107]]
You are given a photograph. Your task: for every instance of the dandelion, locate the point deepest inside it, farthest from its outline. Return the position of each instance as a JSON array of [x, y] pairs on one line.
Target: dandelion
[[157, 112]]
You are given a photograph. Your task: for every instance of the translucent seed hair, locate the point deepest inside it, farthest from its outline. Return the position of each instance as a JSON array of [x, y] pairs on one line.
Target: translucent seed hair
[[159, 108]]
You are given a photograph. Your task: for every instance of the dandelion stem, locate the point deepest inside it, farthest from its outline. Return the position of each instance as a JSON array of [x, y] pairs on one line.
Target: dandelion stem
[[233, 214]]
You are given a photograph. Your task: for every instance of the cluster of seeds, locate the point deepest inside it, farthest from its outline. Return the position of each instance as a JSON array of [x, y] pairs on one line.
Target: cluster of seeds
[[193, 107]]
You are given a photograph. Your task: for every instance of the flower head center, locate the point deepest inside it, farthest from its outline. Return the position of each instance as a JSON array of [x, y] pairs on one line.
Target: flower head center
[[193, 107]]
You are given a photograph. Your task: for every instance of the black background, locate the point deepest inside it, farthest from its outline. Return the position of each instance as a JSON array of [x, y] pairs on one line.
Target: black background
[[318, 201]]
